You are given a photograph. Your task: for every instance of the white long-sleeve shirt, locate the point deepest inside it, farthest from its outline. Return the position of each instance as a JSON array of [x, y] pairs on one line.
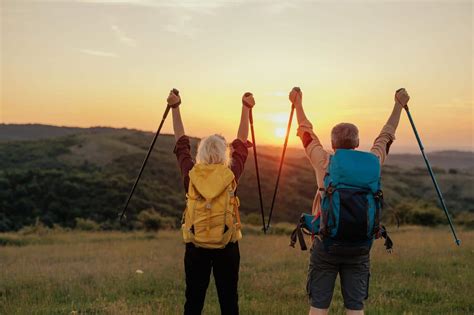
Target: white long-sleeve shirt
[[319, 157]]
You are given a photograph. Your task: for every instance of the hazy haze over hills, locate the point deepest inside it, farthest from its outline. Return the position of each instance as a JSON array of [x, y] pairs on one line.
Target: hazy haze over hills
[[442, 159]]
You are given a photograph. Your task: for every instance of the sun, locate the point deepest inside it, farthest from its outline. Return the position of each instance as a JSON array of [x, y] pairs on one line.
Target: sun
[[280, 132]]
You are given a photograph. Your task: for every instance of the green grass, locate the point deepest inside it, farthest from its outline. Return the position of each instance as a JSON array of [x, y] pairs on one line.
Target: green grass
[[95, 273]]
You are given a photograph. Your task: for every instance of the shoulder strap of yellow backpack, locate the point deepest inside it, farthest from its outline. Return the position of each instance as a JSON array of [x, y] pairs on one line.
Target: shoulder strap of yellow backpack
[[236, 203]]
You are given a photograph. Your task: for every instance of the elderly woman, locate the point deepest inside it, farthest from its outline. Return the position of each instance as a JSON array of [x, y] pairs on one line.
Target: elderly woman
[[211, 222]]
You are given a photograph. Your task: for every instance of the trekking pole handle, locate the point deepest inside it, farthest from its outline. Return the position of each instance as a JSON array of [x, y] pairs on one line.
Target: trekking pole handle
[[175, 92], [247, 94], [298, 90], [404, 106]]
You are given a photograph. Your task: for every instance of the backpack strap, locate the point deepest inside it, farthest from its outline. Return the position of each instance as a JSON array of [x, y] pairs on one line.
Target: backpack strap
[[325, 217], [234, 200], [183, 217], [297, 234], [236, 203], [388, 241], [378, 196], [193, 219]]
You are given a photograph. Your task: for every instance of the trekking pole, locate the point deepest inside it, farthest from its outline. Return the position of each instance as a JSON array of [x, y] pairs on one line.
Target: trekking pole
[[256, 165], [167, 110], [433, 178], [281, 164]]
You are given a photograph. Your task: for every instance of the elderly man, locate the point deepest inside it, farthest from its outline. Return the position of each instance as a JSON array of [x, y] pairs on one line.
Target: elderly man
[[329, 254]]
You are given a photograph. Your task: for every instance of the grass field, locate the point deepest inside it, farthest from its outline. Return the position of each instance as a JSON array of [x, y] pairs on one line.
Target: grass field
[[95, 273]]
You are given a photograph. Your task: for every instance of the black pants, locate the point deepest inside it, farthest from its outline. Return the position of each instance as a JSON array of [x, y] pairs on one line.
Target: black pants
[[224, 263]]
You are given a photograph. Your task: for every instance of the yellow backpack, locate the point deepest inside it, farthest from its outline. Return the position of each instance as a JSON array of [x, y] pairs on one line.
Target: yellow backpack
[[211, 218]]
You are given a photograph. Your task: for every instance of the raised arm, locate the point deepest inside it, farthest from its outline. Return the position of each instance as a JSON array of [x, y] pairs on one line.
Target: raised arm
[[305, 128], [182, 149], [296, 98], [174, 100], [247, 103], [313, 147], [384, 140], [240, 144], [401, 101]]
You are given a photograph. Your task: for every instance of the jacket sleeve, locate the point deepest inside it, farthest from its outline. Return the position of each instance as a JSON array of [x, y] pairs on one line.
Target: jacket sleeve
[[315, 152], [239, 157], [383, 142], [182, 150]]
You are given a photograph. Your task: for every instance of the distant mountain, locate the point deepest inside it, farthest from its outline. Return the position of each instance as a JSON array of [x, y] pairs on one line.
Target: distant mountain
[[59, 174], [34, 131], [22, 132], [441, 159]]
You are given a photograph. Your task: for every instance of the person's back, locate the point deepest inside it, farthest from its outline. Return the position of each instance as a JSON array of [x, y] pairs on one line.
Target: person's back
[[343, 173], [352, 202], [211, 221]]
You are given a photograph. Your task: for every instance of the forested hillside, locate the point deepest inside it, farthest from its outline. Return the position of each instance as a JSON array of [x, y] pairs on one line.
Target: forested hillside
[[87, 173]]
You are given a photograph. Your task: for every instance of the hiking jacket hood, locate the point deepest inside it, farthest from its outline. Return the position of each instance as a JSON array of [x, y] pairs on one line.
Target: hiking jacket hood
[[211, 179]]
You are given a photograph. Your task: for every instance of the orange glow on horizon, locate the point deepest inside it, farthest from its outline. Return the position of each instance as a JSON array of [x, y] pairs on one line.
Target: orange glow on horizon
[[100, 63]]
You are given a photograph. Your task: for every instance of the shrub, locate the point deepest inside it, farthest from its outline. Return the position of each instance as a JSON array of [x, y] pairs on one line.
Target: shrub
[[281, 228], [427, 216], [150, 220], [170, 223], [110, 225], [59, 229], [466, 219], [37, 229], [10, 241], [420, 213], [252, 219], [86, 225]]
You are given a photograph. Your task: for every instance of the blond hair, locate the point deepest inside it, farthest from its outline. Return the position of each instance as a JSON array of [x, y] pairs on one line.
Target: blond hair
[[213, 150]]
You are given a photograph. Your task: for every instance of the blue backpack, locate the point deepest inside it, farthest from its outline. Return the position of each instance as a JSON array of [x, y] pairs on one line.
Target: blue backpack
[[351, 206]]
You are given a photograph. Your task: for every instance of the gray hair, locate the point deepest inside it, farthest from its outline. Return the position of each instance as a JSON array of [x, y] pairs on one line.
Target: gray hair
[[213, 150], [345, 136]]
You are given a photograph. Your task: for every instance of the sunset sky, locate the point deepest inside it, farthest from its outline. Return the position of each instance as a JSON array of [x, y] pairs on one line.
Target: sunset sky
[[112, 62]]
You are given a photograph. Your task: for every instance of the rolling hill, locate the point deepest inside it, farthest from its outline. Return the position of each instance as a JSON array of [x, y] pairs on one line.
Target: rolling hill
[[59, 174]]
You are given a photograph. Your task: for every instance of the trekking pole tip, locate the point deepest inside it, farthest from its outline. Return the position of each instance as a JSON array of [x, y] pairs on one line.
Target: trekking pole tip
[[458, 242], [121, 216]]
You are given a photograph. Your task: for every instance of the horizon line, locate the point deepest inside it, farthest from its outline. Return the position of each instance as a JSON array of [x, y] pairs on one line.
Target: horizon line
[[471, 150]]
